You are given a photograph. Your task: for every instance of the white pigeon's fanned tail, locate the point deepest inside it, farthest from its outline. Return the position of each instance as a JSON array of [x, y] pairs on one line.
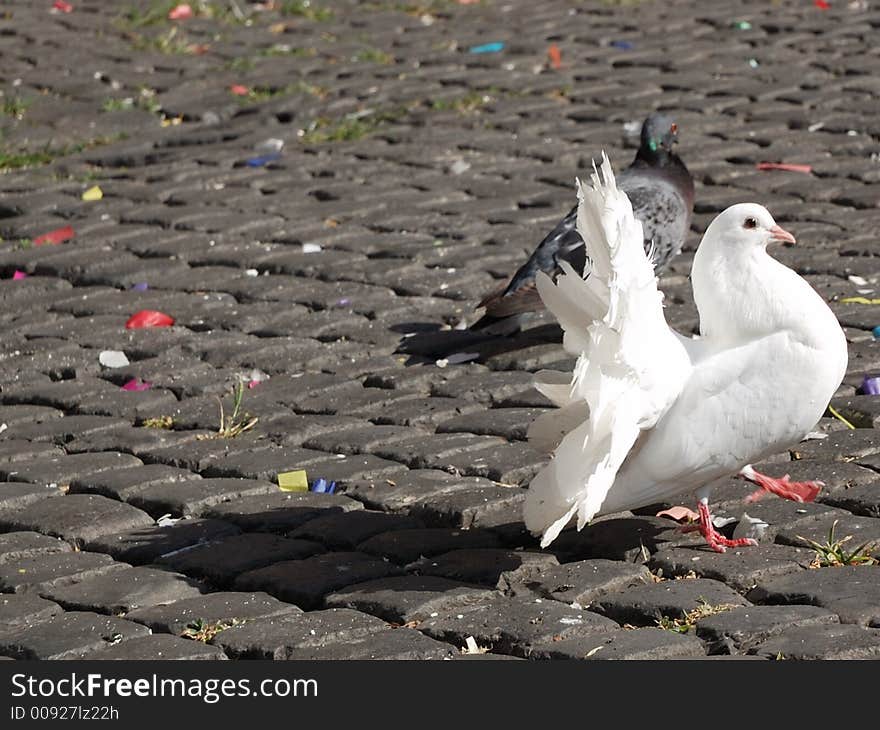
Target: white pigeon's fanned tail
[[630, 365]]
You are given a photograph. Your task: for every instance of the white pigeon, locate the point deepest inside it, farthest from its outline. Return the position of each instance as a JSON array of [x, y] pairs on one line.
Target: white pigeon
[[648, 414]]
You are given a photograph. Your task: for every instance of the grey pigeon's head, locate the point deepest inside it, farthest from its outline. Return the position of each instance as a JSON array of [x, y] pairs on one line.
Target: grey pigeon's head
[[659, 132]]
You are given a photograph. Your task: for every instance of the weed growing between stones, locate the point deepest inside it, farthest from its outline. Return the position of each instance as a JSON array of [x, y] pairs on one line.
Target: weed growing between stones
[[201, 630], [833, 553], [166, 422], [687, 622], [306, 9], [237, 422]]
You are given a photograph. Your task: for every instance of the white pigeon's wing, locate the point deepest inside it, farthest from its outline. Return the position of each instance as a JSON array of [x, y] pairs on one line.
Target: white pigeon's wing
[[739, 405], [630, 366]]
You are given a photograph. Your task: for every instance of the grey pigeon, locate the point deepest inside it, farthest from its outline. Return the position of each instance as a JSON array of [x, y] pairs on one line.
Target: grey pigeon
[[661, 191]]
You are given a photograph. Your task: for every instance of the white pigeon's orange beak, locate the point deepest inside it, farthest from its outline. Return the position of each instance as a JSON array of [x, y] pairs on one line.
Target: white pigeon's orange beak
[[778, 233]]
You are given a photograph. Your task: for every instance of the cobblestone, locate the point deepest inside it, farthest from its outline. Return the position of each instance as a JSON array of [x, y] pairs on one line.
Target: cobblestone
[[221, 610], [69, 635], [121, 591], [740, 629]]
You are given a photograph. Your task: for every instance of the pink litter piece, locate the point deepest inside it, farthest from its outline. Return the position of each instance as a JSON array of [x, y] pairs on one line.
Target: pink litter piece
[[18, 275], [239, 90], [679, 514], [180, 12], [137, 385], [787, 166], [62, 7], [59, 235]]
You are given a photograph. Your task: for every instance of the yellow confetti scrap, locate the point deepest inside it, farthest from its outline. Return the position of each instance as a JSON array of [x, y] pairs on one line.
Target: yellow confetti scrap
[[93, 193], [293, 481]]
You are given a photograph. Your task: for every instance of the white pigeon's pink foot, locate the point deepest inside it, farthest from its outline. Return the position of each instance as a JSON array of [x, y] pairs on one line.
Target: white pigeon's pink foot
[[715, 539], [784, 487]]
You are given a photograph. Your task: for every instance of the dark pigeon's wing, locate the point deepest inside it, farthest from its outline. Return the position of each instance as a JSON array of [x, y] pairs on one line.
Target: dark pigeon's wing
[[663, 211], [662, 198], [520, 294]]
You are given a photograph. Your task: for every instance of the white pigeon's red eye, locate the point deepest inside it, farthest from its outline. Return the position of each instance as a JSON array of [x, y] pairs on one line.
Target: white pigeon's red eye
[[750, 223]]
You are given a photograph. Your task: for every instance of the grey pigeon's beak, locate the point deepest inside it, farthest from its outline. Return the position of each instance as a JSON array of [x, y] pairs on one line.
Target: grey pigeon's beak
[[778, 233]]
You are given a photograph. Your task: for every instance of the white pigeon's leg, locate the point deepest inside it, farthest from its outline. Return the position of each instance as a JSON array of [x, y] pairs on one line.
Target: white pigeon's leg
[[784, 487], [715, 539]]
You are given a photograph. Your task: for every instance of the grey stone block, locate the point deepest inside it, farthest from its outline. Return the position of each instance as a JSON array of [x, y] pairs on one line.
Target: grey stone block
[[585, 581], [740, 568], [121, 591], [846, 445], [17, 545], [510, 423], [739, 629], [77, 518], [40, 573], [164, 647], [346, 530], [850, 591], [15, 496], [648, 604], [281, 511], [62, 470], [122, 483], [833, 641], [637, 644], [282, 636], [402, 643], [514, 625], [406, 546], [18, 450], [487, 566], [153, 543], [221, 559], [68, 636], [306, 582], [860, 499], [25, 609], [193, 497], [405, 599], [484, 506], [229, 608]]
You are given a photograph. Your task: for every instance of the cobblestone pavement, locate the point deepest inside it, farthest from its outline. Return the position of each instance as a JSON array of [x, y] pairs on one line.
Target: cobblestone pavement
[[415, 174]]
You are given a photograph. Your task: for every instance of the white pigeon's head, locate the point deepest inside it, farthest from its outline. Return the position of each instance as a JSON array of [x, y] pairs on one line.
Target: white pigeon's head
[[747, 225]]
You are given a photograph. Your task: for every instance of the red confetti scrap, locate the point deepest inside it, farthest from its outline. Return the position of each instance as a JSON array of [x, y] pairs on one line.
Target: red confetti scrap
[[180, 12], [62, 7], [18, 275], [148, 318], [788, 167], [239, 90], [555, 56], [59, 235], [822, 5], [137, 385]]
